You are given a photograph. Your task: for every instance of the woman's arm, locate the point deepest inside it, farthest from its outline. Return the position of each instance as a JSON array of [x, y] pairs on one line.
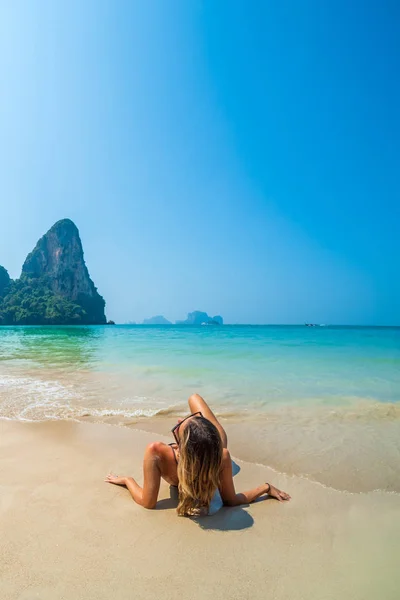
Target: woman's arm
[[146, 496], [227, 487]]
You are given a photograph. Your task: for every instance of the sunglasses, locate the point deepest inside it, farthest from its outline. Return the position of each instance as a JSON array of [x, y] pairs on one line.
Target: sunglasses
[[175, 429]]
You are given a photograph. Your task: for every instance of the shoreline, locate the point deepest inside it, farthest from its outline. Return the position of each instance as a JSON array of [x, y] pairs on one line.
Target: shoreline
[[66, 533], [325, 408], [333, 447]]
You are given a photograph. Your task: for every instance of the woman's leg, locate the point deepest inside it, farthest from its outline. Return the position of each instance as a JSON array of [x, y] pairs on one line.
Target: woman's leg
[[197, 403]]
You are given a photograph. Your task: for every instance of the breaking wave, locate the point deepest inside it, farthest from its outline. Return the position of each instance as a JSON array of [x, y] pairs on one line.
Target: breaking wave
[[30, 399]]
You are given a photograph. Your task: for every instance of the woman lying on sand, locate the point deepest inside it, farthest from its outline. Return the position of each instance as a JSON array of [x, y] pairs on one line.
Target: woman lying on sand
[[198, 464]]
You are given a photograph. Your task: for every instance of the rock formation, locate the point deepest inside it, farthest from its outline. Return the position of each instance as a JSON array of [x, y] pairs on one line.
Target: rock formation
[[4, 281], [200, 318], [55, 286], [157, 320], [218, 320], [58, 256]]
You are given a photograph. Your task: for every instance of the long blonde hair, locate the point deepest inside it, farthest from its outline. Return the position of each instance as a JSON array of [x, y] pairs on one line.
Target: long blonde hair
[[199, 466]]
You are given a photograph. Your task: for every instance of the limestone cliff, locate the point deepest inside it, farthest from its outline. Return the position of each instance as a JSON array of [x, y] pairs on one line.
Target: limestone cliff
[[4, 280], [58, 257], [57, 262]]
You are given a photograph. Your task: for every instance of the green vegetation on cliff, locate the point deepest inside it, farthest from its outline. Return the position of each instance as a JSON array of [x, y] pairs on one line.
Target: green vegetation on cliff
[[30, 301], [55, 287]]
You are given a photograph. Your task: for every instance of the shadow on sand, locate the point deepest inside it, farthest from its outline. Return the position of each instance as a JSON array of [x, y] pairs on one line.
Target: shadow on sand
[[220, 517], [226, 519]]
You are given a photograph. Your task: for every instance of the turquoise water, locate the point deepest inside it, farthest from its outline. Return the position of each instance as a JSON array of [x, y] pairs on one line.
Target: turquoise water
[[138, 370], [317, 402]]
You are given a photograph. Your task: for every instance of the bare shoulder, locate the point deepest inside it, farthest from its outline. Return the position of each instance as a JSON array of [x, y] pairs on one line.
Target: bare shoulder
[[160, 454], [157, 450]]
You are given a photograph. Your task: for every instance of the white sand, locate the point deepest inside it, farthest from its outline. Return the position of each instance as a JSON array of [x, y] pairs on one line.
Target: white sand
[[65, 534]]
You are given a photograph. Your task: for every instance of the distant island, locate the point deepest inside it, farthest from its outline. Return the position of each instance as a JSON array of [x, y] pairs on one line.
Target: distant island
[[157, 320], [196, 317], [54, 287]]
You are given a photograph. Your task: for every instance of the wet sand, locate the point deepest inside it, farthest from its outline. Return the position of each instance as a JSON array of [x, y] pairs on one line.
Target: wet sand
[[355, 449], [67, 534]]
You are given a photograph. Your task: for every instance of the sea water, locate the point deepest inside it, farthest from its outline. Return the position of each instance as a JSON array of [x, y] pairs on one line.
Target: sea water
[[277, 384]]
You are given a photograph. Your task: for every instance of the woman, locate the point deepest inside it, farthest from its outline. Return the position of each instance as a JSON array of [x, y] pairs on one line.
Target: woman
[[198, 464]]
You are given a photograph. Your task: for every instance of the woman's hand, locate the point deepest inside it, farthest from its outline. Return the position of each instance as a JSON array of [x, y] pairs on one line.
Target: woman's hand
[[115, 479], [275, 493]]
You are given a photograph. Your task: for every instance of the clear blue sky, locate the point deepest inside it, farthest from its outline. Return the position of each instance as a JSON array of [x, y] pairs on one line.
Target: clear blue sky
[[240, 158]]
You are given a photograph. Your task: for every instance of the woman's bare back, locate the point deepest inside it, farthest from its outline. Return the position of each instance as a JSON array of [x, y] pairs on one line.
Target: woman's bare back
[[161, 461]]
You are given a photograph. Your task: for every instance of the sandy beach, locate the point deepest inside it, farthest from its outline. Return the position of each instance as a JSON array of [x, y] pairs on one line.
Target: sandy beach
[[67, 534], [200, 218]]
